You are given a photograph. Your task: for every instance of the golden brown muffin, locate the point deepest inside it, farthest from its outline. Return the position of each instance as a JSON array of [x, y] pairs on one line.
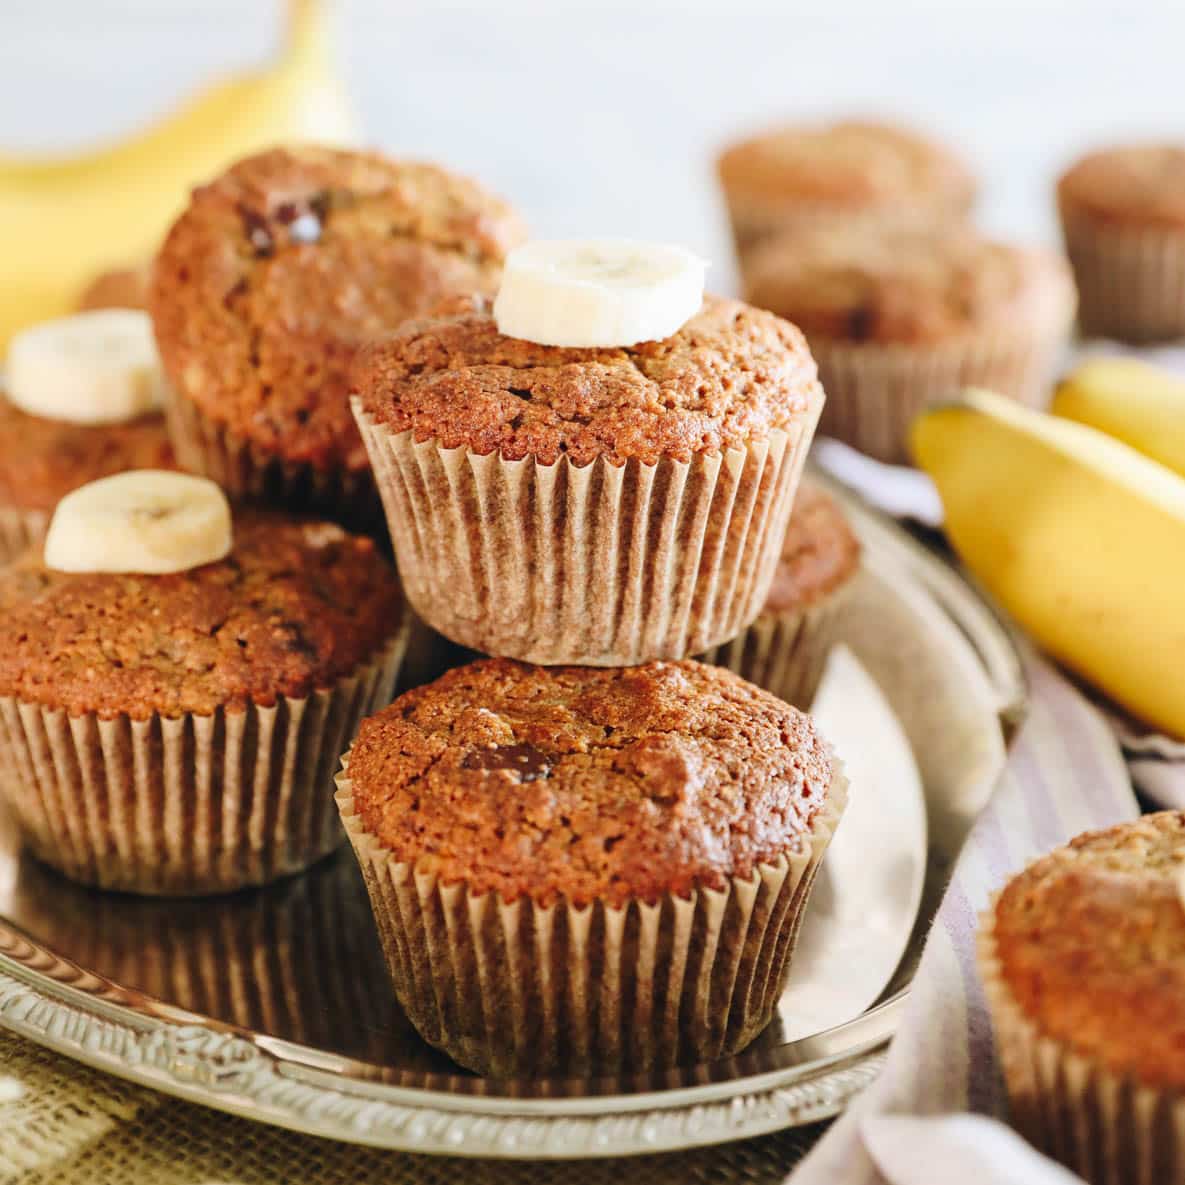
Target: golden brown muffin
[[122, 288], [544, 501], [785, 650], [1123, 219], [179, 733], [274, 275], [844, 172], [1084, 958], [42, 460], [588, 802], [900, 317]]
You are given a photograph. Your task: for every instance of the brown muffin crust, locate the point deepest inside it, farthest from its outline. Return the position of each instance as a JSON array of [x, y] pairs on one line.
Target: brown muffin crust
[[295, 606], [1091, 944], [820, 554], [858, 164], [896, 284], [43, 460], [730, 376], [1131, 185], [589, 784], [280, 268], [122, 288]]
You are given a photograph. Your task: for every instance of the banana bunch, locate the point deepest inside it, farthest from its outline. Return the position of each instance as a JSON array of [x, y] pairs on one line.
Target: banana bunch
[[1077, 526], [64, 219]]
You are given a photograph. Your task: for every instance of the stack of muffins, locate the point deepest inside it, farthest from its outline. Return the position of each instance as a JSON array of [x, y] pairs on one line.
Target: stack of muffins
[[587, 853]]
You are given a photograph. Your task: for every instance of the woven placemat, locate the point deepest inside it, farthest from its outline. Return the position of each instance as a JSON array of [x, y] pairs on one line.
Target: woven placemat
[[65, 1124]]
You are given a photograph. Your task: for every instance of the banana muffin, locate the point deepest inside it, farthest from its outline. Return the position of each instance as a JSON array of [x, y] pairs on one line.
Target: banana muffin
[[786, 648], [42, 460], [604, 506], [625, 854], [899, 318], [269, 281], [178, 733], [1083, 956], [1123, 219], [852, 171]]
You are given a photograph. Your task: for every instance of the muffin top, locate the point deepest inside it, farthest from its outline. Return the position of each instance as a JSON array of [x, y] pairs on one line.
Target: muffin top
[[729, 377], [121, 288], [292, 608], [854, 163], [1091, 944], [1142, 184], [820, 554], [43, 460], [591, 784], [277, 271], [893, 284]]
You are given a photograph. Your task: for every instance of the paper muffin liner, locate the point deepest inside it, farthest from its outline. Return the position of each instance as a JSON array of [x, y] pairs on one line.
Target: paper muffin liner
[[875, 390], [188, 804], [249, 473], [1131, 281], [524, 989], [785, 653], [1109, 1129], [20, 530], [601, 564]]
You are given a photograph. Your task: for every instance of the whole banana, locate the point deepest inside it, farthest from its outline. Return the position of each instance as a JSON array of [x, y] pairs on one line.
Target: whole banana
[[64, 219]]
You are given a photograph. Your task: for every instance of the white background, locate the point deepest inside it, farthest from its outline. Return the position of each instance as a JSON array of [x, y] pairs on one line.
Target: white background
[[604, 118]]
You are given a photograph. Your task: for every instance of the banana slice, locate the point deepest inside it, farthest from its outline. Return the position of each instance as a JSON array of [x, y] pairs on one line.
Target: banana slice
[[99, 367], [147, 520], [597, 292]]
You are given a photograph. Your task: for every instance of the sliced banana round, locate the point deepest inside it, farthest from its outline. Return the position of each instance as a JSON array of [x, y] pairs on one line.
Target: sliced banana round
[[98, 367], [147, 520], [598, 292]]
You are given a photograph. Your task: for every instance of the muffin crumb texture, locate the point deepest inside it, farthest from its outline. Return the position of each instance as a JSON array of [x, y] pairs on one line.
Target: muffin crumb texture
[[280, 268], [1091, 944], [293, 608], [589, 784], [1135, 185], [820, 553], [730, 376]]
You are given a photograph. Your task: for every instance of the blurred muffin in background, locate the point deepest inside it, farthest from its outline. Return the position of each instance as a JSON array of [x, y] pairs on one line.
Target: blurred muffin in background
[[1123, 219], [785, 650], [898, 318], [121, 288], [850, 171]]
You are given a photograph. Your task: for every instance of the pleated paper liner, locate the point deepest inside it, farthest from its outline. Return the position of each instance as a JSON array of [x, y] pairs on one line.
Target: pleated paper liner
[[1131, 282], [1110, 1130], [251, 474], [875, 391], [20, 530], [785, 653], [189, 804], [601, 565], [524, 989]]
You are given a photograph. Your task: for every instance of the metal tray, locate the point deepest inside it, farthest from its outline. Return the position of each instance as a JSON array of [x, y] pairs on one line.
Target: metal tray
[[265, 1004]]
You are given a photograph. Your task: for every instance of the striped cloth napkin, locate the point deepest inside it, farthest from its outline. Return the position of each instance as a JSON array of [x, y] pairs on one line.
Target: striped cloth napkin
[[930, 1118]]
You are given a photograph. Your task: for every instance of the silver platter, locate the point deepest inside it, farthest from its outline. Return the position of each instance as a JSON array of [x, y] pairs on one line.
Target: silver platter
[[274, 1004]]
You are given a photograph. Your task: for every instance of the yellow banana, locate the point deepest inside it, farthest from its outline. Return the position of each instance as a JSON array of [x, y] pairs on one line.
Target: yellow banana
[[62, 220], [1139, 404], [1078, 536]]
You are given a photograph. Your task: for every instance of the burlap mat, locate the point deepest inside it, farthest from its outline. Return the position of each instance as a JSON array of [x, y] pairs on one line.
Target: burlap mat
[[73, 1125]]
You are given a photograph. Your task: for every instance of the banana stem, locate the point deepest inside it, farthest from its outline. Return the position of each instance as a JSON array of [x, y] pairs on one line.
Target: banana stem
[[306, 29]]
